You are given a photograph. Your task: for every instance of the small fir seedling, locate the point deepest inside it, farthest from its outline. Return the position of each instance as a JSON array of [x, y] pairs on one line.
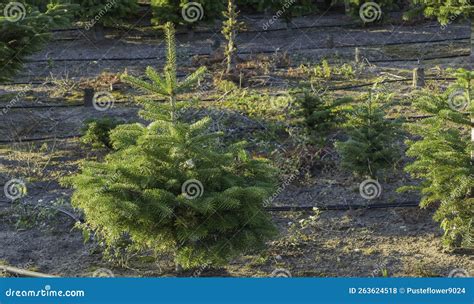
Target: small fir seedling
[[230, 28], [372, 140], [323, 70], [322, 115], [99, 13], [185, 12], [353, 8], [96, 132]]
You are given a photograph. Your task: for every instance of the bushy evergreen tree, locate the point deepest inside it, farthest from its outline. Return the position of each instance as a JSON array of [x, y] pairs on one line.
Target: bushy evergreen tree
[[185, 11], [171, 10], [175, 187], [322, 115], [95, 14], [443, 159], [106, 11], [372, 139], [24, 30], [374, 10], [96, 132], [446, 12]]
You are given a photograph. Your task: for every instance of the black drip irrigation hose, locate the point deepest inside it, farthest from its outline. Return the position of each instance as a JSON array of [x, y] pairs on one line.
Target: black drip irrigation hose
[[43, 106], [109, 59], [179, 75], [76, 105], [47, 83], [344, 207], [358, 46], [217, 29], [262, 19], [48, 138], [244, 53], [417, 59], [387, 81]]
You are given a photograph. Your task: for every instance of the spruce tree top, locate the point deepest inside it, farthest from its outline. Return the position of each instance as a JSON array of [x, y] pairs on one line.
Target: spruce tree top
[[167, 84]]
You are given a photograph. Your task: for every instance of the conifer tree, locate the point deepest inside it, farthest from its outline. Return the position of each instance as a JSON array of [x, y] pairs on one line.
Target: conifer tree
[[168, 84], [371, 11], [448, 11], [372, 139], [24, 30], [173, 186], [96, 132], [321, 115], [185, 11], [443, 158], [96, 14]]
